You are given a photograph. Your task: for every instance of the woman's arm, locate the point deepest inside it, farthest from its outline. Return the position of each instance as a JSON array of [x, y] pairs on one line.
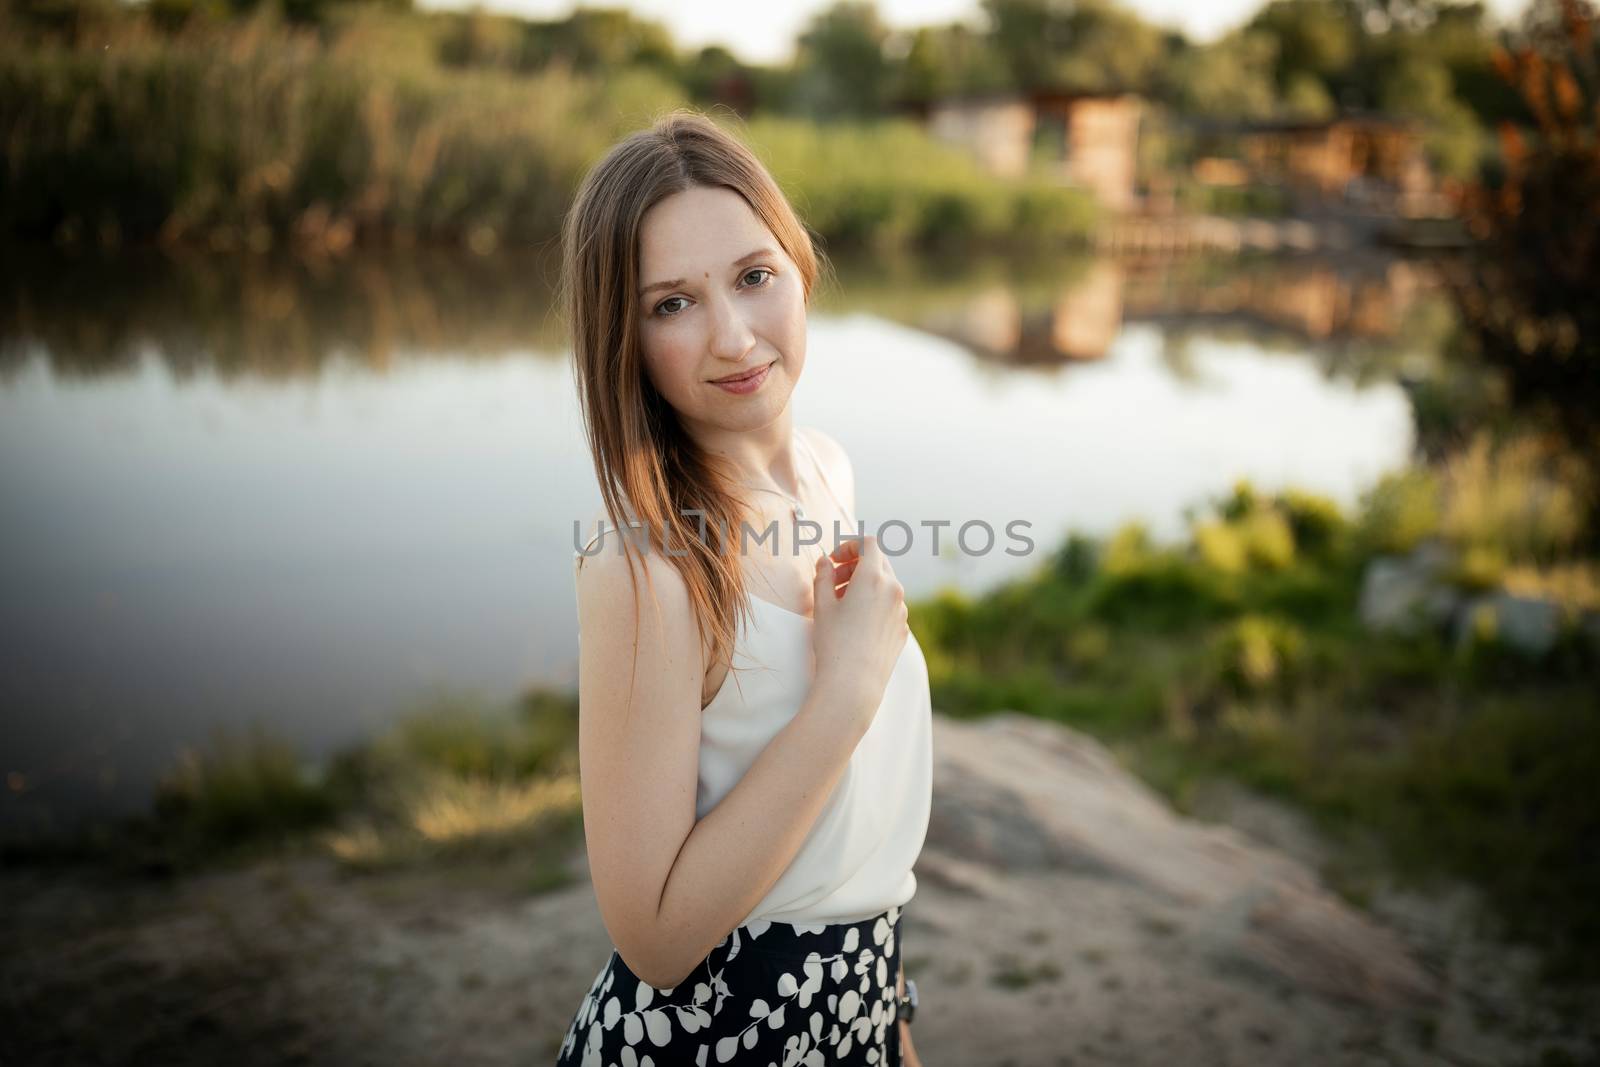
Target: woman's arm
[[670, 888]]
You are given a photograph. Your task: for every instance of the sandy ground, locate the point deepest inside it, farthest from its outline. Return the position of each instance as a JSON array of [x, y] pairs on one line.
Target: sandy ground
[[1035, 939]]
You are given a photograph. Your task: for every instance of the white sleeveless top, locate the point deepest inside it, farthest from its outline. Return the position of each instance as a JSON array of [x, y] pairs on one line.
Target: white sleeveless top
[[856, 861]]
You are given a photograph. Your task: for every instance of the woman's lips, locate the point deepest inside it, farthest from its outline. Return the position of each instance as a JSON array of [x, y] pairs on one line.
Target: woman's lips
[[748, 384]]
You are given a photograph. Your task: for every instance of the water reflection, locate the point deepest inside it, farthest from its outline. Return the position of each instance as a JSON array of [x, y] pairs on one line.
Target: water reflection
[[1081, 313], [282, 316], [305, 494], [275, 317]]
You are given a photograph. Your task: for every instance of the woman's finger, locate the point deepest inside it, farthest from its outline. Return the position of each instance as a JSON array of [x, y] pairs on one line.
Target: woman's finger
[[848, 551]]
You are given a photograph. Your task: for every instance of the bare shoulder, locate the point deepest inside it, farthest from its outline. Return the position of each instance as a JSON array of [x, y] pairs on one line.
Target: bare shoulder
[[589, 532], [836, 462], [606, 581]]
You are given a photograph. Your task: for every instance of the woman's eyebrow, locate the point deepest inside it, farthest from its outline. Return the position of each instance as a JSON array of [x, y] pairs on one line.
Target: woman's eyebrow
[[673, 283]]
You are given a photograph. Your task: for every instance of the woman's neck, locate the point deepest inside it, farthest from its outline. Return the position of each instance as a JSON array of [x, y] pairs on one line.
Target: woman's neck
[[764, 457]]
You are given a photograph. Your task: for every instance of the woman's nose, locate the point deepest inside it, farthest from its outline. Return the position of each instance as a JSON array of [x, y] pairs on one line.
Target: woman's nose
[[731, 336]]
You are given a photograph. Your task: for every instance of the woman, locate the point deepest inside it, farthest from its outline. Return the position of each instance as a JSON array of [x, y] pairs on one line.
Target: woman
[[754, 735]]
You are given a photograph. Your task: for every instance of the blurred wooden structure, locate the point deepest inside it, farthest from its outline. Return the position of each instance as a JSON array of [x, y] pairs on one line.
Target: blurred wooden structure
[[1334, 155], [1358, 296], [1087, 139], [1361, 160]]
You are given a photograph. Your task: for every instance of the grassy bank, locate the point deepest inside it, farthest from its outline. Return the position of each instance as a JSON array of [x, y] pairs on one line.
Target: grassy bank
[[455, 785], [1241, 652], [254, 133]]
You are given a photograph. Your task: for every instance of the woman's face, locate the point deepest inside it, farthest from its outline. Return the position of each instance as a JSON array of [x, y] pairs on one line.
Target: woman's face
[[718, 297]]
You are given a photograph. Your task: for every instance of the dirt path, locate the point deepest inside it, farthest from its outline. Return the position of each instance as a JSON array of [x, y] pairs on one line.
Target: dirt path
[[1064, 915]]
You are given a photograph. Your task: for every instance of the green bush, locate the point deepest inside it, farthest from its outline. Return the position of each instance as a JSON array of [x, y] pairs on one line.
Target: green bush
[[1264, 201], [1399, 512], [1513, 498], [1165, 591], [1315, 522], [468, 739], [240, 790], [1258, 653], [888, 183]]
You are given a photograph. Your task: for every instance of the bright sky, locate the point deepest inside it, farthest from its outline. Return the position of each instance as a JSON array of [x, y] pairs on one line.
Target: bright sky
[[765, 32]]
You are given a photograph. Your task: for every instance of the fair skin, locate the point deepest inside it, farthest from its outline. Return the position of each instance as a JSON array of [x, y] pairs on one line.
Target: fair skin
[[718, 298]]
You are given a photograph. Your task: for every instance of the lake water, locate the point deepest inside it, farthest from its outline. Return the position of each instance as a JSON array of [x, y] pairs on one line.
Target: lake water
[[314, 495]]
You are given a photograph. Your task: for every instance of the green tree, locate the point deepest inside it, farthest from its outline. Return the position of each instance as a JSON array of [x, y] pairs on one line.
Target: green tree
[[1232, 78], [1075, 45], [602, 39], [475, 38], [841, 69], [1526, 295], [1317, 40], [1460, 38], [1422, 88], [946, 60], [717, 76]]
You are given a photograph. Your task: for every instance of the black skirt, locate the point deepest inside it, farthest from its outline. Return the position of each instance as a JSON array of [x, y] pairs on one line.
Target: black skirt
[[794, 995]]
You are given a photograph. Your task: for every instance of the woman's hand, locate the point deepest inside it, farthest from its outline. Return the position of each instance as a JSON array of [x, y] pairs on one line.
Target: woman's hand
[[908, 1052], [859, 633]]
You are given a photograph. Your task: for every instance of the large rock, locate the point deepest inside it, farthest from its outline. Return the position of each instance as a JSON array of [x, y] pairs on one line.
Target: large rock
[[1530, 625], [1014, 794], [1407, 594]]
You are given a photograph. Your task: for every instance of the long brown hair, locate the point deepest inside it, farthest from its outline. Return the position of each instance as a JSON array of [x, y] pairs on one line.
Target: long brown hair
[[650, 471]]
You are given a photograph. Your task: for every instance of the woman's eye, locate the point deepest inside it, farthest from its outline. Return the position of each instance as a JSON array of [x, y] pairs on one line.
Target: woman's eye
[[753, 279]]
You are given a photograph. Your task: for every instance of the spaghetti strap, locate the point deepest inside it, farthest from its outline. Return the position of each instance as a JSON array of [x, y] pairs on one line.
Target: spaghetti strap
[[816, 462], [579, 555]]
